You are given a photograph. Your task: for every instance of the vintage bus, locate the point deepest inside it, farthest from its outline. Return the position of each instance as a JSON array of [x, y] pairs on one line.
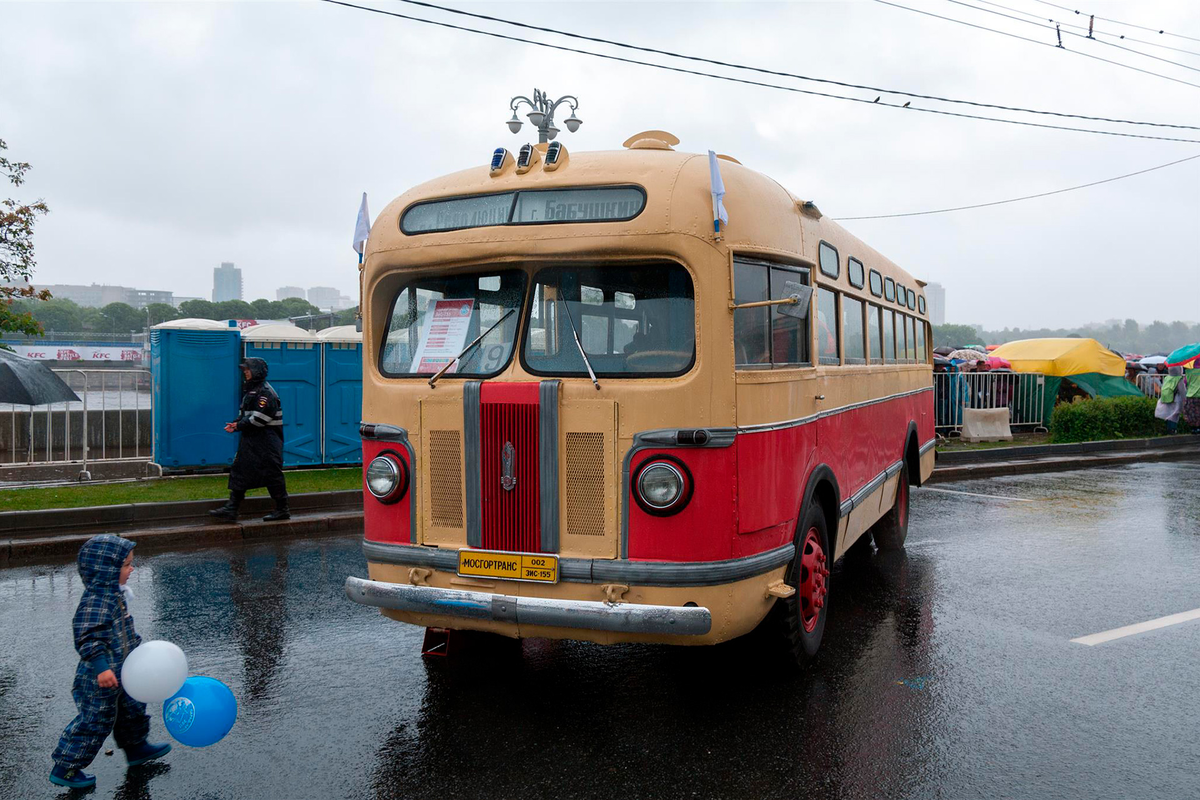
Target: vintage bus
[[587, 415]]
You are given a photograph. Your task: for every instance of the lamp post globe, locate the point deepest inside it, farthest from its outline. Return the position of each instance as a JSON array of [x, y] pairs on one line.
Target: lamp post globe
[[541, 114]]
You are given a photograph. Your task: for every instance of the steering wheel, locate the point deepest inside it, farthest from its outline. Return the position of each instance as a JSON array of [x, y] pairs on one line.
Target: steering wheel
[[648, 360]]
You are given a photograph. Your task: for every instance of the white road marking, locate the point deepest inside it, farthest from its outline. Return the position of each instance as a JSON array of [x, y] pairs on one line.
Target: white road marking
[[922, 542], [1141, 627], [973, 494]]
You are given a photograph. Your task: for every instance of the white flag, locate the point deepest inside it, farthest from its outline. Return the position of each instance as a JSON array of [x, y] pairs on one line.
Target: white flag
[[362, 228], [718, 192]]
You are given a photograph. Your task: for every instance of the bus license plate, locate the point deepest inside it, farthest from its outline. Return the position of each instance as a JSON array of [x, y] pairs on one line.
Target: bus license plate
[[535, 567]]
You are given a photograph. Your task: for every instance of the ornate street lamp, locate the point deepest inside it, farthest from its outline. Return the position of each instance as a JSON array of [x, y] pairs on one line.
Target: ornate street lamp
[[542, 114]]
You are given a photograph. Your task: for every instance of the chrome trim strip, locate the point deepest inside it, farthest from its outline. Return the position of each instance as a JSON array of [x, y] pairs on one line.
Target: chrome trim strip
[[548, 457], [792, 423], [390, 433], [583, 614], [471, 446], [599, 570], [661, 438], [925, 448], [871, 486]]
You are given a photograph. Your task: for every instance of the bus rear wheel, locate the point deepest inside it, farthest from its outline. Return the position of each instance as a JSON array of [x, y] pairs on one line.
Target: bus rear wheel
[[802, 616], [892, 529]]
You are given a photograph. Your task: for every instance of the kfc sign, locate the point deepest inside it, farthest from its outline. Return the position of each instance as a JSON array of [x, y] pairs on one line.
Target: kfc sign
[[126, 354]]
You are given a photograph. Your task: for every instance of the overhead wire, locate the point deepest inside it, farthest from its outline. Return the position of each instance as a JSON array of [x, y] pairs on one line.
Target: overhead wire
[[666, 67], [1094, 32], [1072, 33], [1118, 22], [1039, 43], [1020, 199], [779, 73]]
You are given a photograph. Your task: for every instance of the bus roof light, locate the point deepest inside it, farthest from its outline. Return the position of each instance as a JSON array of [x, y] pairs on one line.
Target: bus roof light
[[556, 156], [527, 158], [500, 159]]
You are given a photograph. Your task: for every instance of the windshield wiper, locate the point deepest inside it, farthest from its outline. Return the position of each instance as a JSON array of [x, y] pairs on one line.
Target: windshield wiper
[[575, 333], [478, 339]]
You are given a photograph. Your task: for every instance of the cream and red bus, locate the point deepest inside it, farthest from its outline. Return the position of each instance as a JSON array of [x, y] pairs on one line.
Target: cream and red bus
[[588, 415]]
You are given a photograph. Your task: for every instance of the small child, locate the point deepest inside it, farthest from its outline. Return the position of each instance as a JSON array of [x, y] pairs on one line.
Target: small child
[[104, 636]]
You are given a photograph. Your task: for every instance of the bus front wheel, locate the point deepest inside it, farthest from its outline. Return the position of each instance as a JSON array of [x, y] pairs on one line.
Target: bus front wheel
[[892, 529], [803, 614]]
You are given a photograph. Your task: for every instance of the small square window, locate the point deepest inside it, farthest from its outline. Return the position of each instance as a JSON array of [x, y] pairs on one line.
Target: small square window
[[624, 301], [912, 299], [591, 296], [829, 260], [921, 304], [876, 284], [901, 294], [854, 269], [889, 289]]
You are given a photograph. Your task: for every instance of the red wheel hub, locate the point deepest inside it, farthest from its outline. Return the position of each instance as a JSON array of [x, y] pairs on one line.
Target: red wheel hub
[[813, 575]]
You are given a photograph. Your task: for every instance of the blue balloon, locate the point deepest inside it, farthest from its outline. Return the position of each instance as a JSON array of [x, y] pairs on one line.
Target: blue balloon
[[201, 712]]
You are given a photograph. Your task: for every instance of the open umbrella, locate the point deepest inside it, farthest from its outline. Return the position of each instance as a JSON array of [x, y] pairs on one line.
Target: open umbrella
[[943, 350], [26, 382], [968, 355], [1189, 352], [995, 362], [1152, 361]]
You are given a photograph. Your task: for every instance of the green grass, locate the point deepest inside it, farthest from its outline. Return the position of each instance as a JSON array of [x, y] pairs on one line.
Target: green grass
[[1019, 440], [167, 490]]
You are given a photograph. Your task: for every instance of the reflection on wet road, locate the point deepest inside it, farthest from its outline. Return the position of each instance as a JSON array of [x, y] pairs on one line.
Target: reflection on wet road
[[948, 671]]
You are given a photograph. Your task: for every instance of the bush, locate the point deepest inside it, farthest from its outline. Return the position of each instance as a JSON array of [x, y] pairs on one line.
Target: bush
[[1106, 418]]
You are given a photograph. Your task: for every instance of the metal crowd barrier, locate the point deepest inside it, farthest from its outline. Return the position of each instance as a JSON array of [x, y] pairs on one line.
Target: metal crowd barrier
[[1023, 393], [105, 424], [1150, 383]]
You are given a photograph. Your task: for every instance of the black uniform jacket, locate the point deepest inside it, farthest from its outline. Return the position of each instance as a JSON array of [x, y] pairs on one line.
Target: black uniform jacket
[[259, 460]]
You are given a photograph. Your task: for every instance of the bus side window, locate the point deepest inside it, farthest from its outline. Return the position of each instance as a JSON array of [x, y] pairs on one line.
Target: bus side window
[[875, 333], [912, 338], [889, 335], [828, 350], [852, 330], [751, 326], [789, 332], [921, 355]]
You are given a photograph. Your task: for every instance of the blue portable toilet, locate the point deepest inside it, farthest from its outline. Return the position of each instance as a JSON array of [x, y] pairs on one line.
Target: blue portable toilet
[[196, 385], [293, 359], [341, 402]]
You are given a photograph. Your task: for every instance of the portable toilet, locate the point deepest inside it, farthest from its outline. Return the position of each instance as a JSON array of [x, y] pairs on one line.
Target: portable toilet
[[294, 370], [196, 385], [341, 394]]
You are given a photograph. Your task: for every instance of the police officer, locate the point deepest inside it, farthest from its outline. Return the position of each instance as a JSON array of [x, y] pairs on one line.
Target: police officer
[[259, 460]]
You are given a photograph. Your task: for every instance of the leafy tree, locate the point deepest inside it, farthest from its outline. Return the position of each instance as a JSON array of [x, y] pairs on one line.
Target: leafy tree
[[233, 309], [262, 308], [161, 312], [954, 335], [345, 317], [122, 318], [16, 252], [92, 319], [297, 307], [198, 309], [59, 315]]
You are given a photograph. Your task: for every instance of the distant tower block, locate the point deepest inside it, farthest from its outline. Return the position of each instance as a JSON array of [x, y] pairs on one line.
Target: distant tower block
[[227, 283]]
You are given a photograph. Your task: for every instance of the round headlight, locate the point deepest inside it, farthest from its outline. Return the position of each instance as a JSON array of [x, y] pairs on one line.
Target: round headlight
[[660, 485], [383, 478]]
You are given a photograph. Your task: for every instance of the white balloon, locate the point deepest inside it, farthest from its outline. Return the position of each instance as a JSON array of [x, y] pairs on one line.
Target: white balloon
[[154, 671]]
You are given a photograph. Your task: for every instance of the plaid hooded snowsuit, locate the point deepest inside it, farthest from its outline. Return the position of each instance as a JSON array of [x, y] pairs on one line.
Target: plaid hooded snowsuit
[[104, 636]]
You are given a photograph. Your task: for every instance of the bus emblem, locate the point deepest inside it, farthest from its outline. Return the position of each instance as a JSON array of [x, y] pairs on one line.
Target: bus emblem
[[507, 479]]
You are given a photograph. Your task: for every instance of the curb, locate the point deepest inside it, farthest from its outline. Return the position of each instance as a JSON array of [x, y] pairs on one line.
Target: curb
[[131, 516], [20, 551], [945, 474], [1107, 446]]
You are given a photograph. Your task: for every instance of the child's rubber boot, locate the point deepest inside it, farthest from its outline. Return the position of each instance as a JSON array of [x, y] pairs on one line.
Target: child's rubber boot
[[71, 777], [145, 751]]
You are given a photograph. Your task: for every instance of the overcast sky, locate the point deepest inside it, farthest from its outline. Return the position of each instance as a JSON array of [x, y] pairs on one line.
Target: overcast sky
[[168, 137]]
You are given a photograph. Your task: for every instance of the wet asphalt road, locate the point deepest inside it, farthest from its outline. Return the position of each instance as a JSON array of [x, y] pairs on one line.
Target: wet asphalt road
[[947, 672]]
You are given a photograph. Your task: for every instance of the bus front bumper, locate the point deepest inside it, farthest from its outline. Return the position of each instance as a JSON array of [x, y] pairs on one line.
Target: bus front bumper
[[562, 613]]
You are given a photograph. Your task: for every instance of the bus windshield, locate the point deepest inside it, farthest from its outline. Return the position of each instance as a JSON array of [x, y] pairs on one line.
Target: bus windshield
[[632, 320], [434, 318]]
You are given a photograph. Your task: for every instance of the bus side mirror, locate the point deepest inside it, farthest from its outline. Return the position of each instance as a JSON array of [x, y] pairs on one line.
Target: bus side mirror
[[801, 294]]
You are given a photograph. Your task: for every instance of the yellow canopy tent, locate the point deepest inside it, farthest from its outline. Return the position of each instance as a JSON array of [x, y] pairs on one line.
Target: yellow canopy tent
[[1084, 362], [1061, 357]]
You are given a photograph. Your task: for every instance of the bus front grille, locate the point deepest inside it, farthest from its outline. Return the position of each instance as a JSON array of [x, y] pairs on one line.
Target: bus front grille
[[585, 484], [509, 467], [445, 479]]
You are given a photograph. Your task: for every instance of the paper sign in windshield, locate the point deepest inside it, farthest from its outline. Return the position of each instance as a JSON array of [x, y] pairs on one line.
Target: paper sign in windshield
[[443, 336]]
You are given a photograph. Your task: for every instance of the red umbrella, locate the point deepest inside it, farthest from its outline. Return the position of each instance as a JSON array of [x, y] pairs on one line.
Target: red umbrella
[[995, 362]]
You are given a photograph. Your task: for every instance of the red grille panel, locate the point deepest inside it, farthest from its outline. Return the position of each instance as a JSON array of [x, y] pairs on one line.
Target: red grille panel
[[509, 415]]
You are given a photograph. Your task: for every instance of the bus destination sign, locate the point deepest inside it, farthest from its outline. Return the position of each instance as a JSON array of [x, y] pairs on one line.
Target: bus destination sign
[[593, 204]]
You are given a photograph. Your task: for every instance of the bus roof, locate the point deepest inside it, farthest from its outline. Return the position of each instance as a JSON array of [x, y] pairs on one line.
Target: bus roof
[[764, 218]]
